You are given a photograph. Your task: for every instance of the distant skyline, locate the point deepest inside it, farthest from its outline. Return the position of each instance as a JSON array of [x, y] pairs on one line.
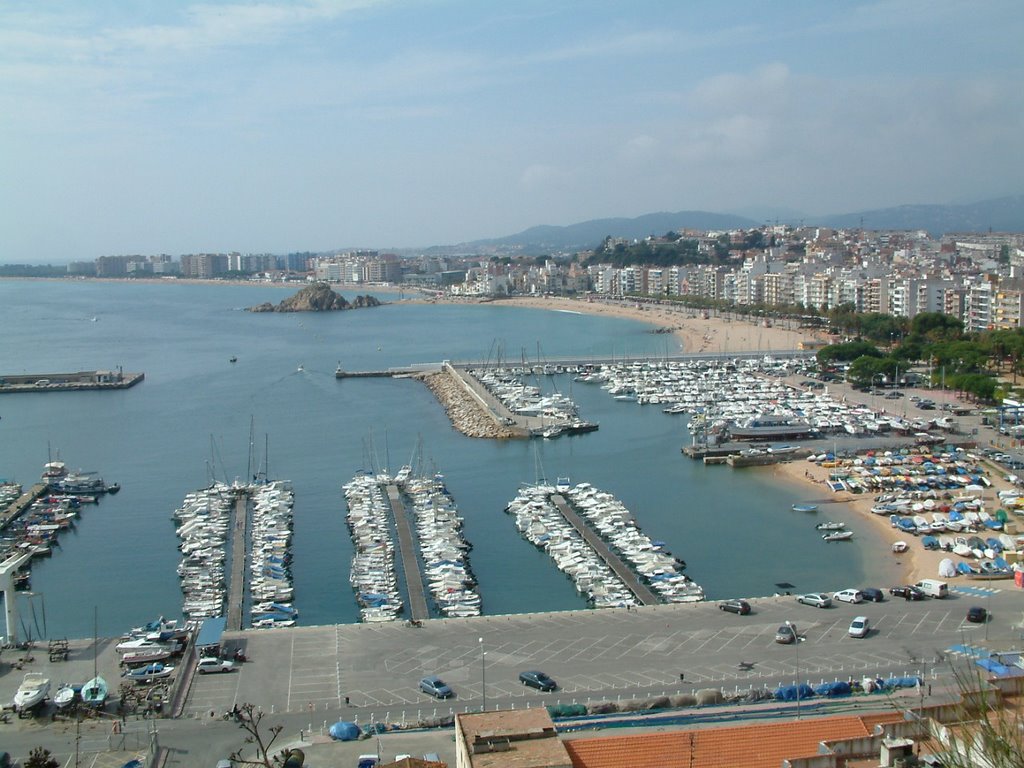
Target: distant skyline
[[177, 127]]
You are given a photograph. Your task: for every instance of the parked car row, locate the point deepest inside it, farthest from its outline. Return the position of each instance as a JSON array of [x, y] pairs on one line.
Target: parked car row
[[432, 685]]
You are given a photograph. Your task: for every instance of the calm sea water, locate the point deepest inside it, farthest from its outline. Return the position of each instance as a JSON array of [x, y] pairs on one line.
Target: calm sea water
[[190, 421]]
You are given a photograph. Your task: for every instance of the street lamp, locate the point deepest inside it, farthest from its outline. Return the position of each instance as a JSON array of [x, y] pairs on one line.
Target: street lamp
[[796, 646], [483, 675]]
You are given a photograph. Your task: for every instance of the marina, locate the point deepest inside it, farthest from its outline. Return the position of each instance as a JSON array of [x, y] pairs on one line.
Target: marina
[[636, 448]]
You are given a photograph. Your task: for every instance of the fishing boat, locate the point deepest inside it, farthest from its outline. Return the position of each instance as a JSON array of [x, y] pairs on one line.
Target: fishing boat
[[838, 536], [830, 526], [94, 692], [805, 507], [32, 692], [899, 547]]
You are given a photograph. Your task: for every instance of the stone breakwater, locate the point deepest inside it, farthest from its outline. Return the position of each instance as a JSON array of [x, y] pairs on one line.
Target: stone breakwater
[[467, 414]]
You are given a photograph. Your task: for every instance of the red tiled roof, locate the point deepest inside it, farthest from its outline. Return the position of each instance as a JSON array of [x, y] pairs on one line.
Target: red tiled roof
[[751, 746]]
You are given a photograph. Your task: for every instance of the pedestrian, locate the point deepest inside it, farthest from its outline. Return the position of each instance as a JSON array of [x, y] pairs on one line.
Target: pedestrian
[[346, 701]]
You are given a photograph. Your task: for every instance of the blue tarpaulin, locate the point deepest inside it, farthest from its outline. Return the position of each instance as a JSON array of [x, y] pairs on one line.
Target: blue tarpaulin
[[344, 731]]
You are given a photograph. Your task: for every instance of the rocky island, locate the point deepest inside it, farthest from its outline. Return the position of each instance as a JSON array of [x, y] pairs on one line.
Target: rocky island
[[317, 297]]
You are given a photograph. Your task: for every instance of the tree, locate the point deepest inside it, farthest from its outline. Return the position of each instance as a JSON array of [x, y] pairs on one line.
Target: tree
[[41, 758], [250, 720]]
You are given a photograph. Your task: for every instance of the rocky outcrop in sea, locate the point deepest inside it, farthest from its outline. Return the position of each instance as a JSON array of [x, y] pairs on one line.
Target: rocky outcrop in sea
[[318, 297]]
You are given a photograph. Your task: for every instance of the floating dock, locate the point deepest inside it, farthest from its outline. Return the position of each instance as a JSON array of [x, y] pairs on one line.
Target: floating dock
[[239, 557], [418, 610], [68, 382]]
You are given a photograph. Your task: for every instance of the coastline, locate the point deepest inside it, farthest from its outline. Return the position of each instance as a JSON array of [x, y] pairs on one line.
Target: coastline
[[718, 335]]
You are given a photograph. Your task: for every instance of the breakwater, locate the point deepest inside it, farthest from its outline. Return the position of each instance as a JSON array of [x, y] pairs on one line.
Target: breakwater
[[64, 382], [467, 411]]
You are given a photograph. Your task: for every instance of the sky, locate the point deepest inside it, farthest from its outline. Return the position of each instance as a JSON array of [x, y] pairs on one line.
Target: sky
[[156, 126]]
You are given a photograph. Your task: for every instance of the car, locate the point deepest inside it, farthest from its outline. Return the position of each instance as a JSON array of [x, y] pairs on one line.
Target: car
[[872, 594], [786, 634], [436, 687], [817, 599], [860, 627], [213, 664], [5, 760], [977, 615], [926, 406], [849, 596], [225, 763], [907, 592], [742, 607], [893, 396], [537, 679]]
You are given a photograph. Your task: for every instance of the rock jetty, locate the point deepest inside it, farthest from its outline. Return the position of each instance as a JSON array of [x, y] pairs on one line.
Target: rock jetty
[[317, 297], [465, 412]]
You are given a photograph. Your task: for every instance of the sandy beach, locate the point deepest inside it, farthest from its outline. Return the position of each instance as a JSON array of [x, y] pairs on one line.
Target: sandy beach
[[696, 334]]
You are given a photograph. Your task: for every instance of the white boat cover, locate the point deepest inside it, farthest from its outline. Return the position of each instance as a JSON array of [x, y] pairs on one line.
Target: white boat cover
[[946, 568]]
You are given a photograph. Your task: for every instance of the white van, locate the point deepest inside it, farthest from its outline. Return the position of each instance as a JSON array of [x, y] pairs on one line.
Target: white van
[[933, 587]]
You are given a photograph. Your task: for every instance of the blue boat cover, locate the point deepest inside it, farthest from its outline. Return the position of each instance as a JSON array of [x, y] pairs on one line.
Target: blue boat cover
[[344, 731]]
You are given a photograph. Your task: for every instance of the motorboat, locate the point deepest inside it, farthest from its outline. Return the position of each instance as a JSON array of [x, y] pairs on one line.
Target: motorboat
[[837, 536], [805, 507], [147, 674], [65, 696], [831, 525], [899, 547], [32, 692]]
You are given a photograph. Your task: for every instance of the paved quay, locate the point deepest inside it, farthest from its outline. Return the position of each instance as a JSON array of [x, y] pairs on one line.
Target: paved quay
[[307, 678], [410, 563]]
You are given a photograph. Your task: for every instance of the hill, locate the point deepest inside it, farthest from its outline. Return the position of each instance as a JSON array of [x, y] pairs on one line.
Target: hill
[[1003, 214], [587, 235]]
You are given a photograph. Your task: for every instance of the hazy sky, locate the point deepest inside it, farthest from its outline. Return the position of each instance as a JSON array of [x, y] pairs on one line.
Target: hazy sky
[[159, 126]]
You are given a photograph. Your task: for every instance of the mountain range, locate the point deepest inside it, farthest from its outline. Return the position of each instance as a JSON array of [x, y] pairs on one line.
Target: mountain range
[[1004, 214]]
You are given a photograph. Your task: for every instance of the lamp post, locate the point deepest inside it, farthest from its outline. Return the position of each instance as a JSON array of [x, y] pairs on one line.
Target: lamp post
[[796, 647], [483, 675]]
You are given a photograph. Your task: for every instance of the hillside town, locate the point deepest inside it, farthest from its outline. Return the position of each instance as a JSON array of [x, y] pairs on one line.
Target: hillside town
[[975, 277]]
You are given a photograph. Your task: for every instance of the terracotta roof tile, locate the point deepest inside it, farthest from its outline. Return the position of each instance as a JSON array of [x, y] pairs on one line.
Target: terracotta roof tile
[[751, 746]]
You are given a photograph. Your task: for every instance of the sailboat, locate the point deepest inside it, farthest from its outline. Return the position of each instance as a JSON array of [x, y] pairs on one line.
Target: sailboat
[[94, 692]]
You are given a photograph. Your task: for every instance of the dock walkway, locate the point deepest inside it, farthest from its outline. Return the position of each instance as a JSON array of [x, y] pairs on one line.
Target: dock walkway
[[628, 576], [410, 563], [22, 503], [236, 585]]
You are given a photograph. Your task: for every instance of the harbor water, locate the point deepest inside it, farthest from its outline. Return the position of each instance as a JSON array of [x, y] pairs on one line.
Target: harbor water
[[190, 422]]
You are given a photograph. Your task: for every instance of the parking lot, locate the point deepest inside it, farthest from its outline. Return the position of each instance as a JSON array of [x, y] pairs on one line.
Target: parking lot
[[371, 672]]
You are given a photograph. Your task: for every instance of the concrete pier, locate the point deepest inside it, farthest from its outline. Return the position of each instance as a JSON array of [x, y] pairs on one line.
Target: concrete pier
[[628, 576], [239, 544], [418, 610], [68, 382], [22, 503]]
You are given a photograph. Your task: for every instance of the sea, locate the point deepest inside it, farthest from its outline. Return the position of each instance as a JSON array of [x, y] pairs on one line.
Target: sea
[[280, 410]]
